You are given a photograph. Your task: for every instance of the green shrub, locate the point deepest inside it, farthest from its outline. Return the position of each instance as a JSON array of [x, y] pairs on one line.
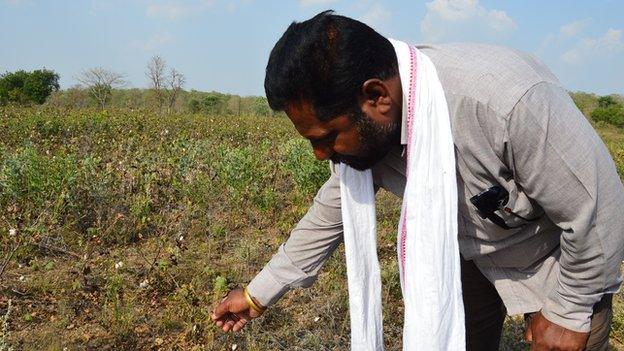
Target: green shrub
[[298, 160], [247, 174], [612, 114], [27, 87], [118, 309], [238, 169]]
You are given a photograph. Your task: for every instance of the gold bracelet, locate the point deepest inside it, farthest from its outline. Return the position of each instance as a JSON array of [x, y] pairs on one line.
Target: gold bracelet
[[251, 302]]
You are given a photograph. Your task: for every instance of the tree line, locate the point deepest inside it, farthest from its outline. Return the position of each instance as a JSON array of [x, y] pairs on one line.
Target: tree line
[[102, 88], [187, 101]]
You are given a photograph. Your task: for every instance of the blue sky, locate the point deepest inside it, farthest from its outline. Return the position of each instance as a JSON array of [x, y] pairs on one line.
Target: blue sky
[[224, 45]]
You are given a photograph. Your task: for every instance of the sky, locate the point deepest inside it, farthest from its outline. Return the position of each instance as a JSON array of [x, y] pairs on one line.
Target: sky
[[223, 45]]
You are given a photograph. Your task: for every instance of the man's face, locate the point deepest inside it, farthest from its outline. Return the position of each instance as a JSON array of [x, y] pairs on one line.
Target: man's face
[[357, 141]]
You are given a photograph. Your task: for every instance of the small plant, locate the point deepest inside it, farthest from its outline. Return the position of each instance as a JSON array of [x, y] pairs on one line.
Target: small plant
[[220, 286], [298, 160], [118, 310], [6, 333]]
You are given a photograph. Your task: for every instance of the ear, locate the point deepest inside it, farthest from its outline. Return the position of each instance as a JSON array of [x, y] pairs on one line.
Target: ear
[[376, 95]]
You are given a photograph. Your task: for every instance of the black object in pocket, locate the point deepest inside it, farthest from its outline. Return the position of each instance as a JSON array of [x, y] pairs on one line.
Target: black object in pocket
[[491, 200]]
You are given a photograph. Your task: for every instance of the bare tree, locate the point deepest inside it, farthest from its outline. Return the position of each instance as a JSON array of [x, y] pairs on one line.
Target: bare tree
[[100, 82], [156, 75], [175, 82]]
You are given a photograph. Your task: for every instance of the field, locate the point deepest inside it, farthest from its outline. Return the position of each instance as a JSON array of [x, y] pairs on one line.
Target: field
[[121, 229]]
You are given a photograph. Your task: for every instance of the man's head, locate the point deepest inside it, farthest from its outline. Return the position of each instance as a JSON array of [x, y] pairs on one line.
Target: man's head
[[337, 80]]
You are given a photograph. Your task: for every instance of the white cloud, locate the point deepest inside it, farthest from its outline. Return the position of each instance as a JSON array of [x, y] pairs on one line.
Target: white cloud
[[574, 28], [498, 20], [170, 11], [590, 48], [306, 3], [156, 41], [452, 10], [584, 61], [464, 20], [556, 42], [375, 15]]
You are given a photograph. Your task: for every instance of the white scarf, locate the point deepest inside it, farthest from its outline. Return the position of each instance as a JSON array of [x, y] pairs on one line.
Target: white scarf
[[427, 247]]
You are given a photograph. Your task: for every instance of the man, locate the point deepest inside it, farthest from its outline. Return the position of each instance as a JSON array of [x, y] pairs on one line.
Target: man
[[553, 253]]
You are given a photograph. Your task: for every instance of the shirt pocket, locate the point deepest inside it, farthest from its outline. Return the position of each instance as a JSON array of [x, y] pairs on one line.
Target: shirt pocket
[[526, 212]]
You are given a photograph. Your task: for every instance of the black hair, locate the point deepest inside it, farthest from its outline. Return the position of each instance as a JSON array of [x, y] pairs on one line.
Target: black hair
[[324, 61]]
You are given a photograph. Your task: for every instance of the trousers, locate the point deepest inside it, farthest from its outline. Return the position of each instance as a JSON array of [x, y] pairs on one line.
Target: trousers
[[485, 313]]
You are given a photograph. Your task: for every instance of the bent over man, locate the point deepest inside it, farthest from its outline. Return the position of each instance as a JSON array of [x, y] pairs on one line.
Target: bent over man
[[540, 209]]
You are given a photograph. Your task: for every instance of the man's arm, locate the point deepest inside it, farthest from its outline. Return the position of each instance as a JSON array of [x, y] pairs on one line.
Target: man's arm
[[314, 239], [560, 161]]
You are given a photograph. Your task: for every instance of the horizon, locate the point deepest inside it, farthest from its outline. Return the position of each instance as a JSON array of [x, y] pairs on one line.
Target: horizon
[[223, 46]]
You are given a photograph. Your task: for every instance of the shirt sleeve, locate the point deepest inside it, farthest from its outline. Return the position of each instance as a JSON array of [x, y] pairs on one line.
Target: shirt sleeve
[[560, 161], [298, 260]]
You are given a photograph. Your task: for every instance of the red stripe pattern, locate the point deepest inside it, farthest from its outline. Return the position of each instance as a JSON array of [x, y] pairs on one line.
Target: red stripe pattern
[[411, 105]]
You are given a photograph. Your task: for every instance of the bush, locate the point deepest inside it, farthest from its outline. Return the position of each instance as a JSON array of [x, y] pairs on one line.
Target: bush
[[298, 160], [612, 114], [247, 173], [23, 87]]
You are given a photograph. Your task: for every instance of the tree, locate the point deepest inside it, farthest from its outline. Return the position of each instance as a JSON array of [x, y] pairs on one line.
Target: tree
[[176, 82], [12, 87], [213, 102], [613, 114], [28, 87], [156, 75], [609, 110], [606, 101], [40, 84], [194, 106], [260, 106], [100, 83]]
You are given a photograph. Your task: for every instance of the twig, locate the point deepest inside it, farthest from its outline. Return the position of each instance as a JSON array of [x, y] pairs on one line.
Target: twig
[[144, 257], [58, 249], [153, 264], [8, 259], [19, 292]]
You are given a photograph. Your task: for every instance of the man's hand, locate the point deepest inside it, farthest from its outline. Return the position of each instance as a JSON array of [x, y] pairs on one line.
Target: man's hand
[[233, 312], [545, 335]]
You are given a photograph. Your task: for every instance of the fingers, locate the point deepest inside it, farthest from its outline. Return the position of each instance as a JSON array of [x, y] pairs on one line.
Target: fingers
[[228, 325], [232, 313], [222, 309], [232, 323], [239, 325], [225, 321]]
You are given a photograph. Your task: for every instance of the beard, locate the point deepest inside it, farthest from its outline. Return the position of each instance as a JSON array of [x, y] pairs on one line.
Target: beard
[[376, 141]]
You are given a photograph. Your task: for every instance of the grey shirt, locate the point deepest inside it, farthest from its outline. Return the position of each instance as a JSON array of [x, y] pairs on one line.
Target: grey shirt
[[515, 126]]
